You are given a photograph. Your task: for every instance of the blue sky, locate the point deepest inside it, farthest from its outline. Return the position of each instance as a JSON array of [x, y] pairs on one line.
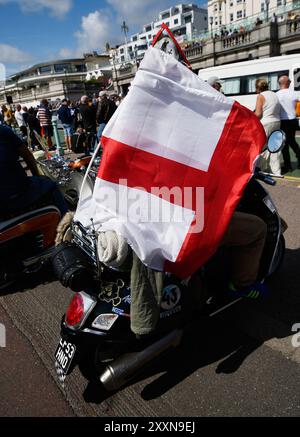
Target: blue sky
[[34, 31]]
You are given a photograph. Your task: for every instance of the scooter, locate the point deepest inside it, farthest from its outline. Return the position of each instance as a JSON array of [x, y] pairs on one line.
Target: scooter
[[27, 239], [68, 174], [95, 331]]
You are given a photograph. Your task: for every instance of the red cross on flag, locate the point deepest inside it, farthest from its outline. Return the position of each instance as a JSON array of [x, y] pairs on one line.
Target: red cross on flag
[[177, 157]]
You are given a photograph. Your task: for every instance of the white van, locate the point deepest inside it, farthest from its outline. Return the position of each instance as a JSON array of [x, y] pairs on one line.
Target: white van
[[239, 78]]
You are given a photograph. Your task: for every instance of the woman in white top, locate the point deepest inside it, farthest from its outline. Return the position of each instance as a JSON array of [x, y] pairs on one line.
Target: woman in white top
[[268, 111]]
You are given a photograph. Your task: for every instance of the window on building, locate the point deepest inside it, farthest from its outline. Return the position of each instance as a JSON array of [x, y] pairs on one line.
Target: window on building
[[130, 48], [80, 68], [262, 7], [134, 38], [279, 2], [245, 14], [231, 17], [176, 21], [188, 19], [45, 69], [220, 21], [216, 8], [176, 11], [168, 24], [165, 15], [231, 4], [122, 58], [148, 28], [239, 14], [60, 68], [239, 1], [121, 51]]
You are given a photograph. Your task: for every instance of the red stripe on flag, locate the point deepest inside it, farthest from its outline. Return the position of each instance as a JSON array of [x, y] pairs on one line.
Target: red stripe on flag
[[230, 169]]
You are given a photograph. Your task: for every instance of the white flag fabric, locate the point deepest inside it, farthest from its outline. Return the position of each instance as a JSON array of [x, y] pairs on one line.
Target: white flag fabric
[[177, 157]]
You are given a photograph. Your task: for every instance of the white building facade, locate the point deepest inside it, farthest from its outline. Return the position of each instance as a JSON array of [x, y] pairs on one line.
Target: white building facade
[[184, 20], [234, 12]]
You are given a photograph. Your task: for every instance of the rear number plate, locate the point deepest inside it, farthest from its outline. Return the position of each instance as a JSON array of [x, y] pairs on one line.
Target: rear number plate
[[64, 355]]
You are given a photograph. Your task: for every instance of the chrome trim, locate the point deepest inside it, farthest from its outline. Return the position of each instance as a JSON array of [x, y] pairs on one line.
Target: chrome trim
[[224, 307], [277, 243], [279, 232], [91, 331]]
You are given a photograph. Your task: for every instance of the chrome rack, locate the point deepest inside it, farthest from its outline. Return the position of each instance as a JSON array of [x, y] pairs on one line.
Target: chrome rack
[[87, 241]]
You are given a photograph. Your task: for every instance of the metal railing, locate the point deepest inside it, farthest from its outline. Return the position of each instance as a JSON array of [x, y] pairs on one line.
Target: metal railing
[[250, 23], [236, 40], [193, 51]]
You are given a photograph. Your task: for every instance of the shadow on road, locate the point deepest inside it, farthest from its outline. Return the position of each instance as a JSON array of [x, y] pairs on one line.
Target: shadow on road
[[30, 281], [227, 339]]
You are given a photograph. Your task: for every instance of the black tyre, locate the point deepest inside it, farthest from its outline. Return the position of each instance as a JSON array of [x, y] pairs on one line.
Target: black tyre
[[71, 190]]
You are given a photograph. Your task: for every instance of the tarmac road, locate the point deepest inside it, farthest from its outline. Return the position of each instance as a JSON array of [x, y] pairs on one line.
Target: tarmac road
[[239, 363]]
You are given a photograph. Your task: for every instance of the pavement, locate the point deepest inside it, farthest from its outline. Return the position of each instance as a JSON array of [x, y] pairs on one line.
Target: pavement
[[239, 363]]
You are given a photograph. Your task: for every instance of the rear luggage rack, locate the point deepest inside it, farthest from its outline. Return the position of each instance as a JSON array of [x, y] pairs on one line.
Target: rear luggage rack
[[87, 241]]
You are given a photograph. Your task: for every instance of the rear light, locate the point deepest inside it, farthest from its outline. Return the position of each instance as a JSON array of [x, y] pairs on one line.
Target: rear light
[[80, 307]]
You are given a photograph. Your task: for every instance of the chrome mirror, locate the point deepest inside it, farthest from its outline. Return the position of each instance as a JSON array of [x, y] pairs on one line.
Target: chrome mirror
[[276, 141]]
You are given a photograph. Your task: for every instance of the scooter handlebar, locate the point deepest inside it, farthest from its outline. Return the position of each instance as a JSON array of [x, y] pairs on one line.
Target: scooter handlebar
[[265, 178]]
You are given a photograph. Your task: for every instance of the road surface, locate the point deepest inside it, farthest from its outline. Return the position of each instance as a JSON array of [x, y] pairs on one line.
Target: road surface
[[240, 363]]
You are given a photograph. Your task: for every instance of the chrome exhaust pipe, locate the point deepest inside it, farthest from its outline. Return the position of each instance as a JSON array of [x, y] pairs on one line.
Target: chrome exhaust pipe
[[124, 368]]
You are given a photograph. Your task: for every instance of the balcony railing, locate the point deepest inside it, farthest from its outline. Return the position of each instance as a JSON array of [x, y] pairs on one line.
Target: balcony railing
[[236, 40], [25, 94], [193, 51]]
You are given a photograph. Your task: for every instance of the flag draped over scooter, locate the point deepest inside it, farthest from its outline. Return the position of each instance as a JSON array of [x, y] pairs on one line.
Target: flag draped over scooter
[[177, 157]]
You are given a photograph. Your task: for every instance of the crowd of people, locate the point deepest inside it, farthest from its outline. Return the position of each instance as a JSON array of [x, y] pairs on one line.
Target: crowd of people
[[292, 19], [279, 111], [276, 110], [83, 121]]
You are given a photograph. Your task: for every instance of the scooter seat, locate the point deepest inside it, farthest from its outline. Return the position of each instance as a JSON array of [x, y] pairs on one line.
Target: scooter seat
[[44, 201]]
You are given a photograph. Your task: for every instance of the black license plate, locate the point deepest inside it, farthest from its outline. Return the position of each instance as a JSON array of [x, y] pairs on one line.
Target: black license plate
[[64, 356]]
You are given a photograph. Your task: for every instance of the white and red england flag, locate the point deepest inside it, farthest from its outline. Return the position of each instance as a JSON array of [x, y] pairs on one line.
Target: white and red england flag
[[177, 157]]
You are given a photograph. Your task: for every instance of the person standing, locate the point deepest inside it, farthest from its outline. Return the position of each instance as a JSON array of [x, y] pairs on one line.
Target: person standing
[[20, 121], [215, 82], [268, 111], [64, 114], [74, 115], [88, 114], [289, 124], [45, 119], [105, 111], [33, 126], [7, 115], [25, 115]]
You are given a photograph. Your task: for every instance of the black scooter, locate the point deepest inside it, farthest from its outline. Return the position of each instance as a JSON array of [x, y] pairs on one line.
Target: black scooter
[[95, 331]]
